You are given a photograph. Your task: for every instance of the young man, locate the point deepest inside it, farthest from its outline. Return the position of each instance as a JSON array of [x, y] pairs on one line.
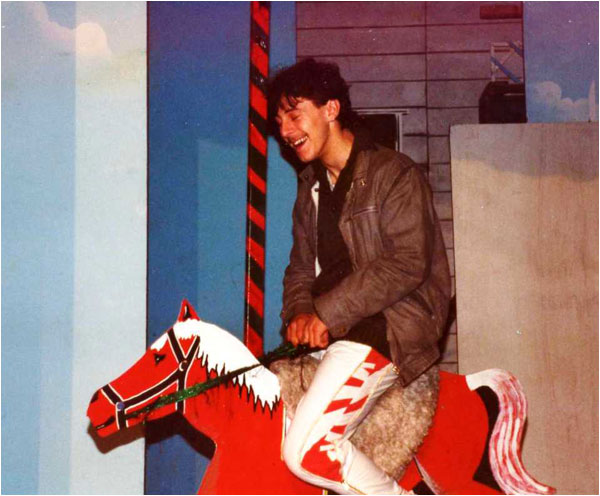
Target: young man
[[368, 278]]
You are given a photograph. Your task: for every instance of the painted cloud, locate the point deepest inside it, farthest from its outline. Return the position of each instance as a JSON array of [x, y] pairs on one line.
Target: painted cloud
[[552, 107], [88, 39]]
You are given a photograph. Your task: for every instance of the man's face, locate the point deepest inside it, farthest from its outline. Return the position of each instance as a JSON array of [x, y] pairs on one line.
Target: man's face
[[304, 127]]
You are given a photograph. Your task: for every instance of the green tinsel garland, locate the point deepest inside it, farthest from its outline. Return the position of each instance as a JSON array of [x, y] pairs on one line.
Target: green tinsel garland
[[285, 350]]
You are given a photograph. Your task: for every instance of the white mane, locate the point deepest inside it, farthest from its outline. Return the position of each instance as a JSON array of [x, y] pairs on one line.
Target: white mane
[[223, 352]]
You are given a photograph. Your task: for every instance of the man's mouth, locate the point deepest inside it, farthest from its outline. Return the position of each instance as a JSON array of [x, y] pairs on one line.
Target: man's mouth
[[298, 142]]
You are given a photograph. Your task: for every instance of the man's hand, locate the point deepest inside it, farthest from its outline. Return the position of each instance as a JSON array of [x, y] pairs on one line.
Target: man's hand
[[318, 337], [306, 328]]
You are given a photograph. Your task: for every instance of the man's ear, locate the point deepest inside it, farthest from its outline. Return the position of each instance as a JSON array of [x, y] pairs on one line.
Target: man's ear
[[333, 109]]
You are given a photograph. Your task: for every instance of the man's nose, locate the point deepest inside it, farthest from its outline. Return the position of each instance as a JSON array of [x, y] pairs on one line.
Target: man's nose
[[285, 129]]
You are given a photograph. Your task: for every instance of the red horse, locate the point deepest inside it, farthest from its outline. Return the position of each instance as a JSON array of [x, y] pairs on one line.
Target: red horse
[[471, 448]]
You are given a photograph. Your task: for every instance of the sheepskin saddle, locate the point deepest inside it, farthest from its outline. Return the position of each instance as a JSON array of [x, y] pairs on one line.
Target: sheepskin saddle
[[393, 431]]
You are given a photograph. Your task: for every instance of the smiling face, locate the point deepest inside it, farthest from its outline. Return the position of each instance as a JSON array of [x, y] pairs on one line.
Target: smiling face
[[306, 127]]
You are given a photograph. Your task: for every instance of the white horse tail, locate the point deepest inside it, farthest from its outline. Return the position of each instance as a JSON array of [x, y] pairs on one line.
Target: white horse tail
[[505, 441]]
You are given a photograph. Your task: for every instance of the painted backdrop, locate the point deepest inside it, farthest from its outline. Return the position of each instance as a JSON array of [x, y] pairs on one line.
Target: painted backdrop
[[84, 268], [73, 237], [198, 68], [561, 61]]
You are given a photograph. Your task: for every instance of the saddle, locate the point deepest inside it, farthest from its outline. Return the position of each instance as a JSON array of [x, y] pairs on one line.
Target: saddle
[[396, 426]]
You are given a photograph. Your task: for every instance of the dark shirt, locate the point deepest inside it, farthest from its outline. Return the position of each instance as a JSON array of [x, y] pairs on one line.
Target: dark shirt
[[332, 251]]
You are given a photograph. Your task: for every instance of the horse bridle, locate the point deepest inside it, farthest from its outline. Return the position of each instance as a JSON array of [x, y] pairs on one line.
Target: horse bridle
[[179, 375]]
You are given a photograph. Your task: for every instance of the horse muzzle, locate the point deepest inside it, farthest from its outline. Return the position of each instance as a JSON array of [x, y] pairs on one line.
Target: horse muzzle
[[101, 413]]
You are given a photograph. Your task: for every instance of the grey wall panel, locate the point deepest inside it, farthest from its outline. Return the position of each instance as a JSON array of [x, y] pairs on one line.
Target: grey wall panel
[[380, 67], [449, 367], [447, 233], [350, 14], [449, 348], [458, 65], [361, 41], [453, 328], [392, 94], [439, 149], [416, 148], [440, 120], [457, 12], [439, 177], [454, 93], [478, 37], [450, 255], [442, 203], [415, 122]]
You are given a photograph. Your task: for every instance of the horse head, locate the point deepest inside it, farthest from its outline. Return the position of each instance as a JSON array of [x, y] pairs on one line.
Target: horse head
[[190, 352]]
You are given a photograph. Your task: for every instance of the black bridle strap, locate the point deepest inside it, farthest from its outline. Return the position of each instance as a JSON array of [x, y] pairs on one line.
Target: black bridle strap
[[175, 346], [286, 350], [178, 376]]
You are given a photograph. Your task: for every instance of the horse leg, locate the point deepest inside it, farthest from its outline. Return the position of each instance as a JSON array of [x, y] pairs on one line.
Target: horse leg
[[412, 480], [455, 445]]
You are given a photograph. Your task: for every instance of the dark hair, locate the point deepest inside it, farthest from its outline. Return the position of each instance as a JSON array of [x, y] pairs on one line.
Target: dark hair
[[316, 81]]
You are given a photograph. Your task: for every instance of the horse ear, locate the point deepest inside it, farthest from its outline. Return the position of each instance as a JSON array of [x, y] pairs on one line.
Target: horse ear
[[187, 312]]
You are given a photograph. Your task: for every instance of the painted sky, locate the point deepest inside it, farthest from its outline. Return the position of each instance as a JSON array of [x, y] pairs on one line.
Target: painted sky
[[74, 224], [561, 60]]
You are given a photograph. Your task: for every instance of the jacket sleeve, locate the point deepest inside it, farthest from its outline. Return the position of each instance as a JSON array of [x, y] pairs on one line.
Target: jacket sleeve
[[300, 273], [406, 223]]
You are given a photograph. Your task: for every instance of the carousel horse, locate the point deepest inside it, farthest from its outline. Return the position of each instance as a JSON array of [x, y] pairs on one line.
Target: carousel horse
[[476, 430]]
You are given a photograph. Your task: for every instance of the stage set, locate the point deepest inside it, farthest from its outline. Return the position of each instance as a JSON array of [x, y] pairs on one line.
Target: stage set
[[147, 208]]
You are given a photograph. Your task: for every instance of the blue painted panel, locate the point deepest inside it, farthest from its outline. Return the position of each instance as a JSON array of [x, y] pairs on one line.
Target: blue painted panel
[[38, 147], [281, 182], [198, 118], [561, 60], [198, 107]]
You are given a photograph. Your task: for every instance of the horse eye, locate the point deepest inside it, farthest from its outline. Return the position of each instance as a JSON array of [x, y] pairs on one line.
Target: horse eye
[[158, 358]]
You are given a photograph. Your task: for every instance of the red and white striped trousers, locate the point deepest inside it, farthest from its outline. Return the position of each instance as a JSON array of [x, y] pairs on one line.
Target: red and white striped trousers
[[348, 381]]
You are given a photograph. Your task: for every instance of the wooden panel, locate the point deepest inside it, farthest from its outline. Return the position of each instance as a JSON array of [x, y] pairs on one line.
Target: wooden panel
[[380, 67], [449, 367], [416, 148], [449, 348], [385, 94], [439, 177], [439, 149], [447, 233], [415, 122], [455, 93], [466, 65], [453, 329], [423, 168], [442, 203], [457, 12], [526, 215], [361, 41], [479, 37], [440, 120], [351, 14], [450, 255]]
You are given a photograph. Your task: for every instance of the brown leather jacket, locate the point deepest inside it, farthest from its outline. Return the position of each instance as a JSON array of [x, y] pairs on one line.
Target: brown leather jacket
[[398, 256]]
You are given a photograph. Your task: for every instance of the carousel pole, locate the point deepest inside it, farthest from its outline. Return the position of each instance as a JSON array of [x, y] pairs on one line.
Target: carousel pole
[[257, 178]]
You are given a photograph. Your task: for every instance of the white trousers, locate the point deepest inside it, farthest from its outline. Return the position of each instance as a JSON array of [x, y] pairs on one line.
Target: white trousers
[[348, 381]]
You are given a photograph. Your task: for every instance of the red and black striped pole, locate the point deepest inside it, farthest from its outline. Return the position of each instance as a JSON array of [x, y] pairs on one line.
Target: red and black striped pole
[[257, 178]]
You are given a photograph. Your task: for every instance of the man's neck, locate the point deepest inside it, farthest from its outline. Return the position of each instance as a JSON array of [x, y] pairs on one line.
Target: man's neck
[[338, 152]]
